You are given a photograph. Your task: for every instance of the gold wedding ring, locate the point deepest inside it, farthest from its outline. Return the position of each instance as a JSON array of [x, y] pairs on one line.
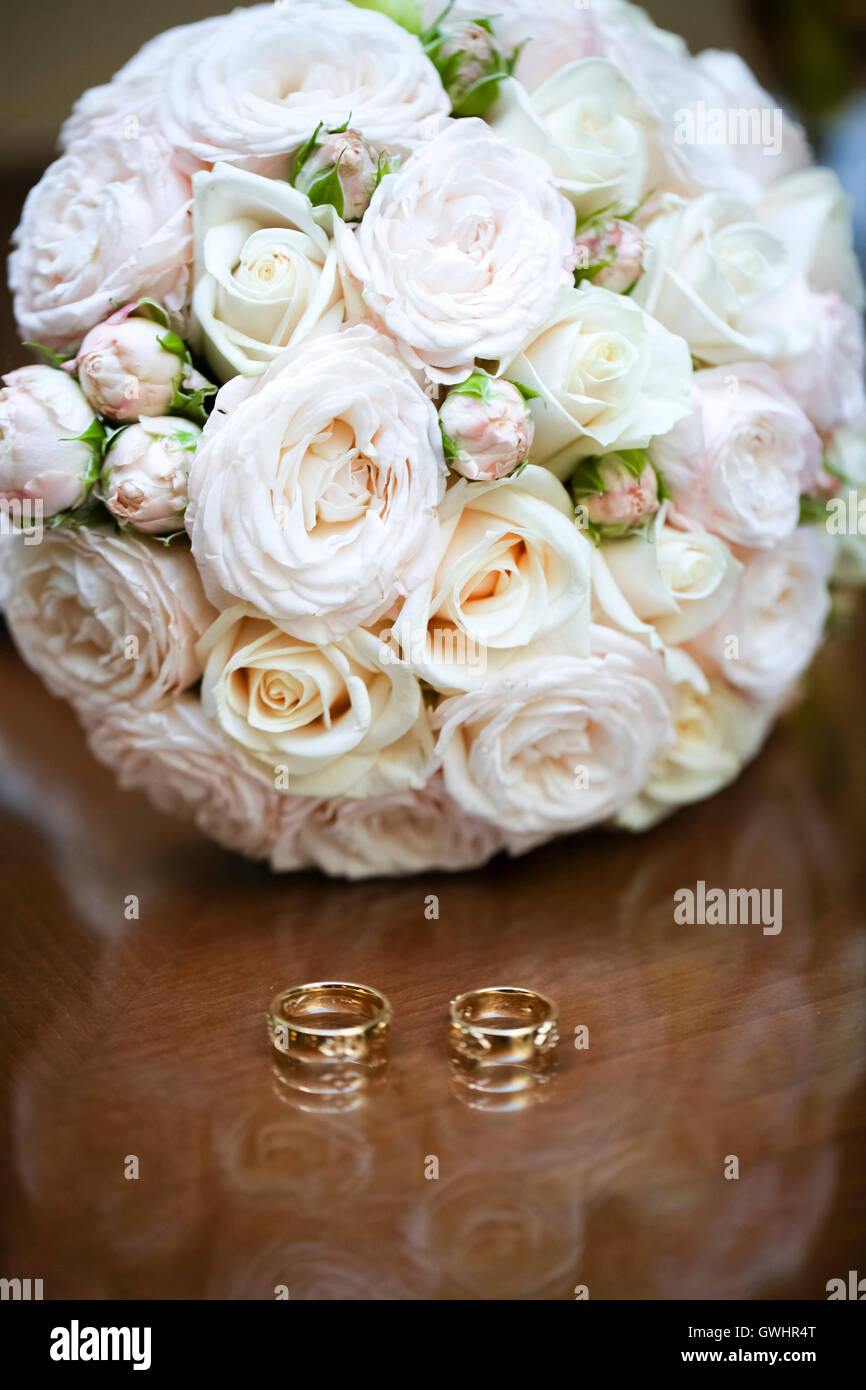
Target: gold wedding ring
[[503, 1024], [331, 1021]]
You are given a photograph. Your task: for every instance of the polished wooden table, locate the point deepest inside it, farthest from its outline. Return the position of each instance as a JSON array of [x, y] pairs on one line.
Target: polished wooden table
[[146, 1040]]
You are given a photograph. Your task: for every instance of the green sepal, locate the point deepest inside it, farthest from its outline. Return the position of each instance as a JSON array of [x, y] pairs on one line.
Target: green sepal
[[526, 391], [95, 437], [190, 404], [172, 342], [302, 153], [449, 448], [55, 358], [91, 510], [387, 164], [812, 509], [326, 189], [149, 309]]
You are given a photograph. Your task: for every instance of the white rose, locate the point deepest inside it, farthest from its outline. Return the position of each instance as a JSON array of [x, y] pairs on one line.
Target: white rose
[[103, 618], [252, 89], [775, 623], [811, 214], [556, 745], [827, 382], [42, 411], [723, 281], [738, 464], [717, 732], [585, 122], [180, 759], [107, 223], [750, 165], [266, 270], [608, 376], [461, 251], [144, 477], [332, 719], [408, 832], [511, 567], [315, 498], [688, 97], [680, 581]]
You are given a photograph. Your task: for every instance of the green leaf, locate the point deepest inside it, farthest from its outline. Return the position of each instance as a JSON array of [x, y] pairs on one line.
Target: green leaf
[[406, 13], [55, 358]]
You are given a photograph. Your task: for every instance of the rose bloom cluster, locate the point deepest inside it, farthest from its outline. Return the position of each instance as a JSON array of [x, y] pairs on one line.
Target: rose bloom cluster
[[431, 440]]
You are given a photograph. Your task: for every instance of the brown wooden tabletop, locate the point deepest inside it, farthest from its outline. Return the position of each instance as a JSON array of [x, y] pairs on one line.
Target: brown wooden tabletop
[[147, 1038]]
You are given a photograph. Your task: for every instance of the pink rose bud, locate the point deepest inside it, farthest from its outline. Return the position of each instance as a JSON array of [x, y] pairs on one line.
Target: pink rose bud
[[341, 169], [42, 411], [616, 248], [144, 480], [125, 372], [487, 427], [626, 499], [469, 61]]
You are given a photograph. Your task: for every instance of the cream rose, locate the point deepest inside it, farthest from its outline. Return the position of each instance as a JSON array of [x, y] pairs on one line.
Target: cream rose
[[105, 618], [266, 270], [680, 581], [42, 459], [723, 281], [738, 464], [811, 214], [511, 567], [556, 745], [180, 758], [607, 375], [461, 251], [774, 626], [586, 123], [717, 732], [108, 222], [408, 832], [330, 719], [315, 498], [252, 89]]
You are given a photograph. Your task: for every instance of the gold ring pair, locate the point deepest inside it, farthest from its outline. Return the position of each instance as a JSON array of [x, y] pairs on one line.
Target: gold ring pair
[[339, 1022]]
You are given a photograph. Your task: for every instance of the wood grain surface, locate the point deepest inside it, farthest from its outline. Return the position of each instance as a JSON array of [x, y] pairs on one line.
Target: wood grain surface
[[147, 1038]]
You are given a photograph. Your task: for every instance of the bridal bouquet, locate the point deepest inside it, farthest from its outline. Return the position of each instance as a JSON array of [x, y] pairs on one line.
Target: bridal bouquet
[[439, 429]]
